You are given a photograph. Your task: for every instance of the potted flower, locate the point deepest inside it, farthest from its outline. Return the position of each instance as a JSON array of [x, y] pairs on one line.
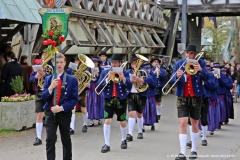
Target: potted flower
[[18, 110]]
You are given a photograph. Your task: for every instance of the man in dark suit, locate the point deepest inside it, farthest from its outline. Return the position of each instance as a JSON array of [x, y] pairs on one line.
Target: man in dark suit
[[60, 114]]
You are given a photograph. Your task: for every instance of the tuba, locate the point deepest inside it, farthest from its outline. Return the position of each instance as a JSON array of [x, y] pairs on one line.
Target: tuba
[[140, 87], [81, 74], [46, 68]]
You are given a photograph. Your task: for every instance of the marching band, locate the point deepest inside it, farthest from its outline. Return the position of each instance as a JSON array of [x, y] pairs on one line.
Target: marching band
[[107, 88]]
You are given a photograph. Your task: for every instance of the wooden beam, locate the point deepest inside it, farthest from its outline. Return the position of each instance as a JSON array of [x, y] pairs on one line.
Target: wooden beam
[[65, 49], [144, 44], [160, 43], [103, 35], [13, 32], [87, 32], [134, 37], [166, 34], [123, 37], [173, 37], [111, 17], [108, 32], [148, 38], [73, 37]]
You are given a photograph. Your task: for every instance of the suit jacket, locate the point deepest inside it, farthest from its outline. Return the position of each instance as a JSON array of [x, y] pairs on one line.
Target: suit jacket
[[196, 79], [147, 80], [122, 88], [10, 71], [161, 78], [70, 94], [211, 87]]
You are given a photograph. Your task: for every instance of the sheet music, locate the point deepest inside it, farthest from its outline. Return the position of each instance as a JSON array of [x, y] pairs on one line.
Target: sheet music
[[96, 69], [191, 61], [216, 70], [73, 66], [37, 68], [117, 69]]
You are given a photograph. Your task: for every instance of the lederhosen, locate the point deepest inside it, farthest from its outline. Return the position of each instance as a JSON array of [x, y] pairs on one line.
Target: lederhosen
[[115, 105], [136, 102], [39, 102]]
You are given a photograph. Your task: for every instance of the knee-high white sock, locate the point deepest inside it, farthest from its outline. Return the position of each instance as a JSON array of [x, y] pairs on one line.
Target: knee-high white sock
[[124, 132], [140, 124], [183, 141], [39, 127], [72, 121], [194, 138], [204, 132], [159, 109], [85, 117], [106, 132], [131, 124], [190, 130]]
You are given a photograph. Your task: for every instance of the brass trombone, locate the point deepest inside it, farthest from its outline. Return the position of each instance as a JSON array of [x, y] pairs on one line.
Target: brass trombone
[[189, 68], [115, 78]]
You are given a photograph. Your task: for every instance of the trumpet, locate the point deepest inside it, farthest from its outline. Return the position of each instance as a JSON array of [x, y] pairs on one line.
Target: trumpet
[[113, 77], [189, 68]]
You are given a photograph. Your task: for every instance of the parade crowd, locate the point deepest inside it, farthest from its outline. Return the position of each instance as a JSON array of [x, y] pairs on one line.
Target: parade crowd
[[134, 94]]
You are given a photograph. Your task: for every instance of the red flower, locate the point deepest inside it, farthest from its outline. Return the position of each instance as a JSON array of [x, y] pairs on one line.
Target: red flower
[[49, 41], [45, 43], [54, 43], [51, 33], [61, 38]]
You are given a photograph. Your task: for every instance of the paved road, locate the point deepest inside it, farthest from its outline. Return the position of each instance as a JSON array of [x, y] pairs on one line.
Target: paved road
[[162, 144]]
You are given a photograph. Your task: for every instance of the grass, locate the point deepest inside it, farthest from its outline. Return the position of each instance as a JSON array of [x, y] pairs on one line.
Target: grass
[[6, 132]]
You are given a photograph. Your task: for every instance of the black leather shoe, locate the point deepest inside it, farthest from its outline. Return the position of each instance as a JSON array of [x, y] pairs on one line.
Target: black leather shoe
[[153, 128], [193, 155], [189, 144], [84, 128], [129, 137], [211, 133], [225, 122], [37, 142], [105, 148], [180, 157], [143, 130], [140, 136], [99, 122], [71, 131], [158, 117], [91, 125], [124, 144], [204, 143]]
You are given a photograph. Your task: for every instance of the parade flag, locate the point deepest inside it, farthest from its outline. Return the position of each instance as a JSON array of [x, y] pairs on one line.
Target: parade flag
[[54, 26]]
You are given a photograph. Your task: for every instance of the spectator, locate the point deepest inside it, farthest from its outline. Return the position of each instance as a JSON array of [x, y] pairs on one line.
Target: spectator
[[26, 72], [11, 69], [2, 59]]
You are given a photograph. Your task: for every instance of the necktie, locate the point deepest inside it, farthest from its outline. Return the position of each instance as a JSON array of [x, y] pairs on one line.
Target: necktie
[[58, 91]]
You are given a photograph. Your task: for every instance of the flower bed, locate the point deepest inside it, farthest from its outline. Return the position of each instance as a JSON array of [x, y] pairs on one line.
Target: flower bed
[[18, 98]]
